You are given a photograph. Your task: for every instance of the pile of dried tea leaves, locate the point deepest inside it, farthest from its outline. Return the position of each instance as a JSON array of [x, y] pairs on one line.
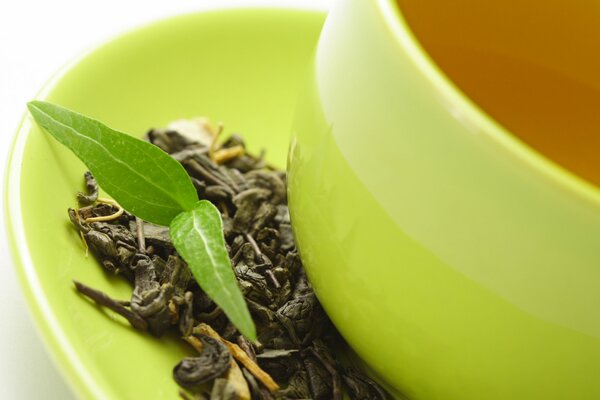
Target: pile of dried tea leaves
[[292, 357]]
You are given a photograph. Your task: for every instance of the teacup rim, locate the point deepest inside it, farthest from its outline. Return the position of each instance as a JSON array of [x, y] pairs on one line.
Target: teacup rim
[[391, 14]]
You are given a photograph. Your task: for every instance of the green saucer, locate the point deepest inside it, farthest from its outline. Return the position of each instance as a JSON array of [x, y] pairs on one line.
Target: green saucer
[[239, 66]]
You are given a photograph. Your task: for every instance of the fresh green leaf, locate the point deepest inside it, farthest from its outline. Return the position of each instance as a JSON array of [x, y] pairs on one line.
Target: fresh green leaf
[[198, 237], [142, 178]]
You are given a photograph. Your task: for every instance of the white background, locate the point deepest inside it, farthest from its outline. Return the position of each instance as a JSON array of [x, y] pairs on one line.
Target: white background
[[37, 38]]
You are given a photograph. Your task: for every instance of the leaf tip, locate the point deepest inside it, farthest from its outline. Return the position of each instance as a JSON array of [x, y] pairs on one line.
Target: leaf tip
[[32, 105], [35, 107], [250, 331]]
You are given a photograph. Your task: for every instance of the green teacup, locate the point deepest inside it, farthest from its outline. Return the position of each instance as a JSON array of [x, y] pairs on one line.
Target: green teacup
[[456, 260]]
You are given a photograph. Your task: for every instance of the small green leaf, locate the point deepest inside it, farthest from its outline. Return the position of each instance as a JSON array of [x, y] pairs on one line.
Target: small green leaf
[[142, 178], [198, 237]]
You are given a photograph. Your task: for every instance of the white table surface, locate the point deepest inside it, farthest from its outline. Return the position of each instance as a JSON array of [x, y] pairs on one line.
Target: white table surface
[[36, 38]]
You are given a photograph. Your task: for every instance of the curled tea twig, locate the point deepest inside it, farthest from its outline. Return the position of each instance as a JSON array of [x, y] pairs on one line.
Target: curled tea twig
[[106, 218], [223, 155], [76, 220], [214, 145], [140, 235]]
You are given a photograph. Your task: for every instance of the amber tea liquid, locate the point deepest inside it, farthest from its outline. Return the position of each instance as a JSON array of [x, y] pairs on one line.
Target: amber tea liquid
[[533, 66]]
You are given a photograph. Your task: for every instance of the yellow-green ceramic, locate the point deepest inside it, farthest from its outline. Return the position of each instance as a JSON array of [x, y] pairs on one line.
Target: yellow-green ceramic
[[459, 264], [240, 66]]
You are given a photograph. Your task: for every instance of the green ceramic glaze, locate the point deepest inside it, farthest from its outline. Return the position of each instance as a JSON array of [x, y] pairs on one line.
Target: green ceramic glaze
[[459, 264], [242, 67]]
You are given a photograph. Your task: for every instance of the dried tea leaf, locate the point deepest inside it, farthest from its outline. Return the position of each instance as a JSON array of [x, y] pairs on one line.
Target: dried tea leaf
[[302, 317], [104, 300], [298, 387], [91, 188], [213, 361], [153, 234], [323, 354], [150, 299], [280, 364], [196, 130], [198, 237], [241, 356], [318, 379], [362, 387], [142, 178]]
